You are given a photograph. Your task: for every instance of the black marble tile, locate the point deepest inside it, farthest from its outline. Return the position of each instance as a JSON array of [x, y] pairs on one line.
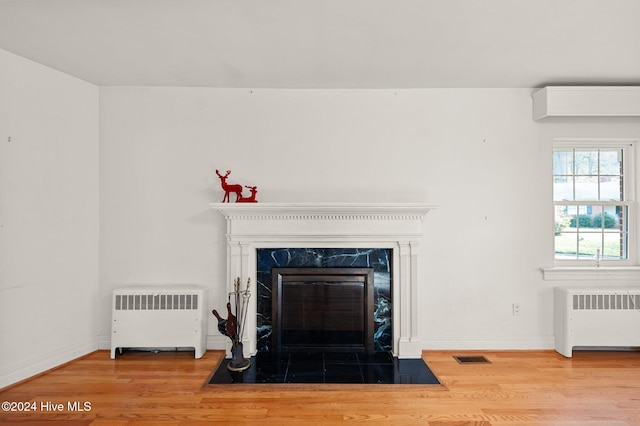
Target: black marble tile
[[377, 358], [305, 368], [328, 367], [343, 373], [379, 373], [268, 368], [310, 357], [341, 358], [413, 371]]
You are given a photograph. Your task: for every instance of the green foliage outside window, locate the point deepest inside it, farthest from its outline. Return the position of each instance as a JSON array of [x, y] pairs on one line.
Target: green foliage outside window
[[595, 221]]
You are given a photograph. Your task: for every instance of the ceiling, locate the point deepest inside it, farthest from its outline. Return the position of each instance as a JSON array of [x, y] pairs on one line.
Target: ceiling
[[330, 43]]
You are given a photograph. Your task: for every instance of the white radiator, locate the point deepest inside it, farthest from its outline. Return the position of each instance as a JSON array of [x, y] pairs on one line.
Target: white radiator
[[159, 317], [605, 317]]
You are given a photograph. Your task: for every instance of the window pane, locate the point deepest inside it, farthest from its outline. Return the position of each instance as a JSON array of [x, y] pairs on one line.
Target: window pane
[[609, 221], [615, 233], [587, 188], [562, 219], [614, 244], [610, 188], [563, 162], [563, 188], [586, 163], [589, 244], [611, 162], [566, 245], [583, 218], [597, 219]]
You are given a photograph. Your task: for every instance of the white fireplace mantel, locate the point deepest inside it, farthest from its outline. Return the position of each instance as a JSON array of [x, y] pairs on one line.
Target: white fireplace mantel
[[321, 225]]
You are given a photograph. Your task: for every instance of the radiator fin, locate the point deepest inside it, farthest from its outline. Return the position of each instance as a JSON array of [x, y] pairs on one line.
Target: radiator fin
[[164, 302], [612, 301]]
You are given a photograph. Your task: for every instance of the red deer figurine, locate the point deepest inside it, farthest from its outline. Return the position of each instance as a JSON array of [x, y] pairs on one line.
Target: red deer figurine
[[228, 189], [251, 198]]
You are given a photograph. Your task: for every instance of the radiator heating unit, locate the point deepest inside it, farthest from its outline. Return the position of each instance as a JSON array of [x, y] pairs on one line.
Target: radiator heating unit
[[159, 317], [596, 317]]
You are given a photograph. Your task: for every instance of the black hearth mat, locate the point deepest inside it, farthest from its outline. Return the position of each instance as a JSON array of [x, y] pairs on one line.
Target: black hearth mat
[[327, 367]]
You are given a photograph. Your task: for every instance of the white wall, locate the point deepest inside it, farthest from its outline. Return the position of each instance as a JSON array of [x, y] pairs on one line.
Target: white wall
[[476, 153], [48, 218]]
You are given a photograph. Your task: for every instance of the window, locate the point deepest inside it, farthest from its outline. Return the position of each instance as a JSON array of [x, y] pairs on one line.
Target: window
[[593, 195]]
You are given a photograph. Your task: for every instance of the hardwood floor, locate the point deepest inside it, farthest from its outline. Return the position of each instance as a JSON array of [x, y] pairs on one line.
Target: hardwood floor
[[168, 388]]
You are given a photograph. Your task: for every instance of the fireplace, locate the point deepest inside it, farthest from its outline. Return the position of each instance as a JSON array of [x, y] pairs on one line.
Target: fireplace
[[394, 229], [275, 266], [322, 310]]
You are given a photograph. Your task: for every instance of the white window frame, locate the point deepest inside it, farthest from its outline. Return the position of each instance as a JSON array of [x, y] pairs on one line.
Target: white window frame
[[629, 199]]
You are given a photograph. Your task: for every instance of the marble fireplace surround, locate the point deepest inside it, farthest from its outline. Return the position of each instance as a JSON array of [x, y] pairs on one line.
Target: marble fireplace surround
[[397, 226]]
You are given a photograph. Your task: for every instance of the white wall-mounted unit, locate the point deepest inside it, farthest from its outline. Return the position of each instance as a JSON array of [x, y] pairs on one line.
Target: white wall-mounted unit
[[159, 317], [602, 317], [586, 101]]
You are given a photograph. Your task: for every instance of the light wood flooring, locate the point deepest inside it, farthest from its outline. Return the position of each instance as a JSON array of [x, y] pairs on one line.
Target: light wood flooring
[[169, 388]]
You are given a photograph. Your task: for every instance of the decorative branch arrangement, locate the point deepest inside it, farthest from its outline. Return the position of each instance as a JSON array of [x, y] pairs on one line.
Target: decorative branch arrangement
[[233, 327]]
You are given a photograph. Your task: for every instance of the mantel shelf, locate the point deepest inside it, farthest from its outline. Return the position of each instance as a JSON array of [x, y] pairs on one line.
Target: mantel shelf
[[284, 210]]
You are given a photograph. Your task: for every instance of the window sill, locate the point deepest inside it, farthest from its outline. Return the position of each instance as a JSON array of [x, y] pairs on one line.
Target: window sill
[[593, 273]]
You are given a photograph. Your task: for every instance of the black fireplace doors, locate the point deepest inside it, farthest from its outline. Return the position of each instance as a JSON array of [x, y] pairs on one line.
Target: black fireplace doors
[[323, 309]]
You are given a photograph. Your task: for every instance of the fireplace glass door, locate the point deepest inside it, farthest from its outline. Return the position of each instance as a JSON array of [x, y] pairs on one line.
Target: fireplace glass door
[[322, 309]]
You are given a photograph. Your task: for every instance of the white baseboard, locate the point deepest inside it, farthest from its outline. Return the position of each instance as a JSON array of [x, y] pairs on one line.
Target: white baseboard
[[223, 343], [410, 349], [213, 342], [29, 367], [104, 342], [488, 344], [218, 342]]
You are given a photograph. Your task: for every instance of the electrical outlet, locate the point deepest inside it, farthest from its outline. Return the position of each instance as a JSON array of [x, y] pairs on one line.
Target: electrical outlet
[[516, 309]]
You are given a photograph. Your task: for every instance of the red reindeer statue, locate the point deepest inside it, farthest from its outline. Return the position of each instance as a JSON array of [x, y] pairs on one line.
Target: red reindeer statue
[[228, 189], [251, 198]]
